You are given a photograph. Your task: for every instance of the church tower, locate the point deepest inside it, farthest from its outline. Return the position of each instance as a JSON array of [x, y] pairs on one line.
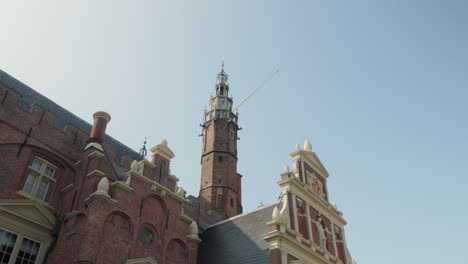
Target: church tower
[[220, 185]]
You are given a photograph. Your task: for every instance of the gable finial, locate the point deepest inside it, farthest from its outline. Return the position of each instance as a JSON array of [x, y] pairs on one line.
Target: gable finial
[[143, 150]]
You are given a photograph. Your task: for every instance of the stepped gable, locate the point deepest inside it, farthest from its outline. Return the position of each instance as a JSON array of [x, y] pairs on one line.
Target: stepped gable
[[238, 239], [29, 97]]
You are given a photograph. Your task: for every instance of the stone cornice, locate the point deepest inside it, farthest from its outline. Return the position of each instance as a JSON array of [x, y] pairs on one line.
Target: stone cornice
[[163, 151], [185, 218], [96, 146], [122, 185], [94, 196], [96, 173], [147, 163], [72, 213], [312, 159], [148, 260], [12, 207], [194, 239], [173, 177], [67, 188], [153, 183], [289, 243]]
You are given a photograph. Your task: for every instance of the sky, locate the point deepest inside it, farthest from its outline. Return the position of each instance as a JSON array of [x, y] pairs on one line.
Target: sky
[[378, 87]]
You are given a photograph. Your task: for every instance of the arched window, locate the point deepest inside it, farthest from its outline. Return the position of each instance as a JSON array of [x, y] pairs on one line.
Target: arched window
[[176, 252]]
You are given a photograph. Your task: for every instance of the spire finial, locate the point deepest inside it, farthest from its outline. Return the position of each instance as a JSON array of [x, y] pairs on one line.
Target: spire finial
[[143, 150], [222, 64], [222, 76]]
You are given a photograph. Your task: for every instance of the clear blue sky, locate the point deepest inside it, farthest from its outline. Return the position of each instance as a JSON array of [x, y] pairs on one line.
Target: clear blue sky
[[379, 88]]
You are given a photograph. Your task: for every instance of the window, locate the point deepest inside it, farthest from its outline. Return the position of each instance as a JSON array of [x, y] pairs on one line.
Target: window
[[219, 198], [40, 176], [16, 249]]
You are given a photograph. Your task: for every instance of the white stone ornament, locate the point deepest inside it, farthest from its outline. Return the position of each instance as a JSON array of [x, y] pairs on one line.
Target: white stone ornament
[[103, 187], [180, 192], [134, 166], [296, 168], [286, 169], [307, 145], [276, 216], [129, 179], [297, 148], [285, 212], [321, 233], [163, 150], [193, 231]]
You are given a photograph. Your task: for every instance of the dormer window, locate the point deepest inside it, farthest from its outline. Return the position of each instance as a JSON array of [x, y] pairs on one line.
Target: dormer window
[[40, 175]]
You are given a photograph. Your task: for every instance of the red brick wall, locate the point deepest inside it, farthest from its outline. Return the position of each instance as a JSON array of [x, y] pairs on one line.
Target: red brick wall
[[302, 218], [219, 167], [99, 231], [115, 241], [177, 252]]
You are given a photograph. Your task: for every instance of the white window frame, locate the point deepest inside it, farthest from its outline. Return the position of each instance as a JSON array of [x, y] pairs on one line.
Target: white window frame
[[40, 176], [17, 247]]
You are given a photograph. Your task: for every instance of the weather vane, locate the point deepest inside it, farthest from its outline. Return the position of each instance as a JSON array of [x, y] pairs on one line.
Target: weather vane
[[143, 150]]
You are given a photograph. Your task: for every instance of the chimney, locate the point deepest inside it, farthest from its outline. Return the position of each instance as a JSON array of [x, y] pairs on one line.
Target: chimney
[[99, 126]]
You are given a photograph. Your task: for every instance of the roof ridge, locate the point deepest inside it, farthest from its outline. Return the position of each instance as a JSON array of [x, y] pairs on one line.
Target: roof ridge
[[63, 116]]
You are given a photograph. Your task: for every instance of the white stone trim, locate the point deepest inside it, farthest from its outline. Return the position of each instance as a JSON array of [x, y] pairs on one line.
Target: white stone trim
[[96, 173], [321, 205], [67, 188], [148, 260], [96, 146], [147, 163], [122, 185], [313, 161], [155, 185]]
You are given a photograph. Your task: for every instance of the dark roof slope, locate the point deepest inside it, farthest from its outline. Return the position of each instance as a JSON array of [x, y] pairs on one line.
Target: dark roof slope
[[29, 97], [237, 240]]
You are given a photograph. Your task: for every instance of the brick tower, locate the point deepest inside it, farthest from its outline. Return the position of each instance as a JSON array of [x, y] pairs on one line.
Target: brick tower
[[220, 185]]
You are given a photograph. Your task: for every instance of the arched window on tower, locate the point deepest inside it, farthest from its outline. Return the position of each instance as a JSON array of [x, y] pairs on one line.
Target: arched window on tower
[[219, 198]]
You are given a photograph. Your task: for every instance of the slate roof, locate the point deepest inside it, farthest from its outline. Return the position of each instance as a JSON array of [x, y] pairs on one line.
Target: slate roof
[[29, 97], [237, 240]]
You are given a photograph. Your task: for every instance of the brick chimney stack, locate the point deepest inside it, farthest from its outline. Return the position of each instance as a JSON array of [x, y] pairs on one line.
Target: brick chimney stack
[[99, 126]]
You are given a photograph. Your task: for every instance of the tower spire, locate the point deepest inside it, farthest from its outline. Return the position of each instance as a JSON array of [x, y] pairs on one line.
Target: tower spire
[[220, 185]]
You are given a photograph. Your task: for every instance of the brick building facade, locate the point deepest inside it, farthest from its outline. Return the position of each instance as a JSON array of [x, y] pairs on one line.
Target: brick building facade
[[69, 193]]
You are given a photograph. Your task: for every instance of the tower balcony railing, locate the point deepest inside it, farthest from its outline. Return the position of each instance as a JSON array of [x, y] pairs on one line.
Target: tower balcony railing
[[221, 114]]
